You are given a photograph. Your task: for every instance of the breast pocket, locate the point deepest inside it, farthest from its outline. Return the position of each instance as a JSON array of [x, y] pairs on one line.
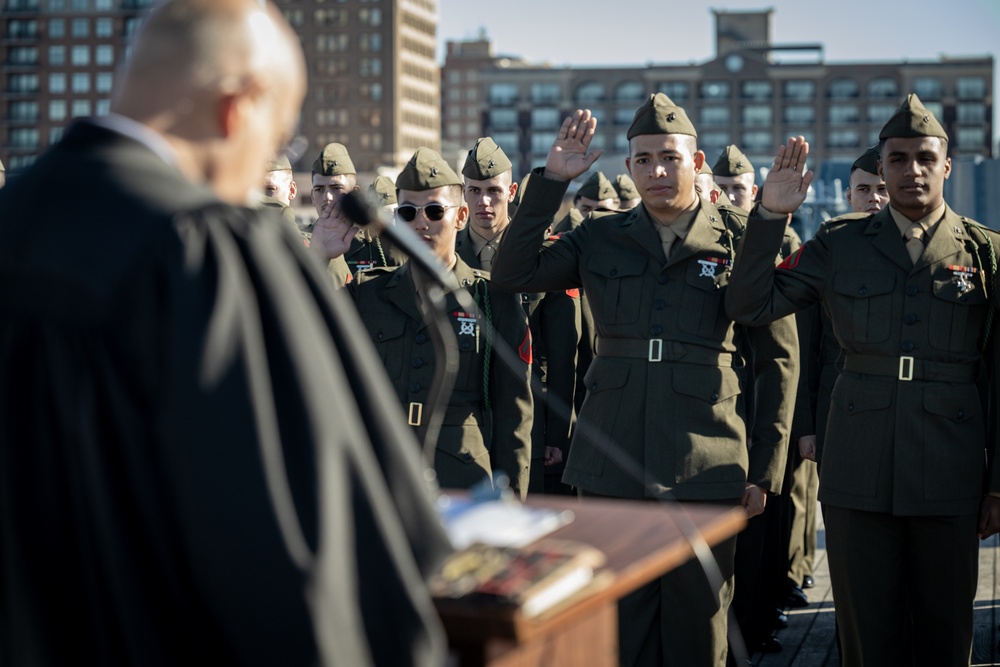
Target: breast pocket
[[388, 334], [701, 302], [863, 305], [617, 298], [957, 315]]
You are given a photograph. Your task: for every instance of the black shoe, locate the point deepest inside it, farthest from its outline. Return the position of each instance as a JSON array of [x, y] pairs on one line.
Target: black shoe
[[796, 597], [780, 620], [808, 581], [769, 644]]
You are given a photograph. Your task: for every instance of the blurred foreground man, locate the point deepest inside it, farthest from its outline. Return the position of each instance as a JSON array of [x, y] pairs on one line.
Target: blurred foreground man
[[908, 476], [197, 464]]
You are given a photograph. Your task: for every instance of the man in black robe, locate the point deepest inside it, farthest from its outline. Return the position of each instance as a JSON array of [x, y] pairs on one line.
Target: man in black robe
[[197, 463]]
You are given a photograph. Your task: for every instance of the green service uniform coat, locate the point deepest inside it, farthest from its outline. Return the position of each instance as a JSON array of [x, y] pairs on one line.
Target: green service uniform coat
[[681, 418], [475, 438], [364, 254]]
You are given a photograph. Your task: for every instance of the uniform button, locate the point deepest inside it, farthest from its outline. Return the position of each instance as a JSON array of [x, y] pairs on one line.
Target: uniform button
[[614, 272], [417, 363], [593, 386], [465, 346], [960, 415], [467, 456], [415, 387], [911, 290], [850, 407], [525, 297], [907, 346], [420, 339], [715, 395], [863, 291], [379, 335], [662, 279], [656, 330], [911, 318], [659, 304]]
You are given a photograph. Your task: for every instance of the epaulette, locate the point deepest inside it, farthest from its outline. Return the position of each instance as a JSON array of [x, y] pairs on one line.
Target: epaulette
[[364, 275]]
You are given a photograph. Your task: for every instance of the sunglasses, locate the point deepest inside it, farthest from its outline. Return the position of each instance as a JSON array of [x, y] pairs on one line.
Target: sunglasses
[[434, 212]]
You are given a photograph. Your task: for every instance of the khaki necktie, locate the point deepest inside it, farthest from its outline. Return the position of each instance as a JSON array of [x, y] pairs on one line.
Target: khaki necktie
[[914, 236], [667, 237], [486, 256]]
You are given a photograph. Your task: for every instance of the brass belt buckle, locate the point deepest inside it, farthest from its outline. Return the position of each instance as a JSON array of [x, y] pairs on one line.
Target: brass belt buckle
[[655, 349], [905, 369], [416, 414]]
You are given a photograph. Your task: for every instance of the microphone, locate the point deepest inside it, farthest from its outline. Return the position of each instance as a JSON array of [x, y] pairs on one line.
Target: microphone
[[362, 212]]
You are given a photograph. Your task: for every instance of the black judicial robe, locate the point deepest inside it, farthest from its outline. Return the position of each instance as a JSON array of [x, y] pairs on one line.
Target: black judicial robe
[[157, 347]]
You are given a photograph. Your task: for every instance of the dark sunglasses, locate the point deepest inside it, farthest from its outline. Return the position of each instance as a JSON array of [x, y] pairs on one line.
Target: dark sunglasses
[[434, 212]]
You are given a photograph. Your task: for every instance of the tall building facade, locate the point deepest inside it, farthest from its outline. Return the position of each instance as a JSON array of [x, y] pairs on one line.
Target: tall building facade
[[374, 82], [57, 62], [744, 95]]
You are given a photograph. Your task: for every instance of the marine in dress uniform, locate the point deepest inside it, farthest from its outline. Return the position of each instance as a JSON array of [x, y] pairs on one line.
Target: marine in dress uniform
[[487, 425], [628, 196], [664, 384], [279, 190], [734, 174], [908, 473]]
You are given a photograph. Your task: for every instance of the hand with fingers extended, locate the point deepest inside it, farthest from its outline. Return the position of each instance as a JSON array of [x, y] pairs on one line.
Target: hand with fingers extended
[[568, 157], [786, 185], [332, 234]]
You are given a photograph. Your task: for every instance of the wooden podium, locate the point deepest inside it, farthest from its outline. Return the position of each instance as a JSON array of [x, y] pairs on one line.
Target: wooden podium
[[642, 541]]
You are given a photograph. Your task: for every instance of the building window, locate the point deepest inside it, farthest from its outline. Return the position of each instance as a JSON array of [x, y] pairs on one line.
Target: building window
[[371, 92], [57, 110], [57, 83], [22, 55], [330, 18], [883, 88], [503, 119], [713, 142], [545, 93], [843, 115], [545, 119], [808, 135], [879, 114], [873, 139], [935, 108], [332, 118], [592, 91], [800, 114], [332, 43], [843, 139], [55, 134], [970, 138], [57, 55], [927, 88], [757, 115], [624, 116], [81, 82], [800, 90], [81, 28], [599, 141], [24, 137], [508, 142], [842, 89], [81, 108], [370, 67], [630, 91], [22, 83], [20, 29], [371, 117], [57, 5], [104, 54], [80, 5], [370, 17], [758, 141], [503, 93], [970, 88], [971, 112], [57, 28], [104, 27], [714, 90], [102, 108], [23, 111], [131, 25], [757, 90], [103, 82], [714, 116], [80, 56], [370, 42], [541, 142], [103, 5], [678, 91]]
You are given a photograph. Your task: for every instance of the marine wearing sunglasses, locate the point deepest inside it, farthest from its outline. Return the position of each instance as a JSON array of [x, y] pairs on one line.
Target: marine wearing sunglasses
[[436, 215]]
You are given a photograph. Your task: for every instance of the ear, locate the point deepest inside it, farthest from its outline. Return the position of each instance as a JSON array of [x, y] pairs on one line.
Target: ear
[[699, 161], [947, 168], [628, 165], [462, 217], [512, 191], [753, 191], [292, 190], [230, 114], [879, 163], [847, 195]]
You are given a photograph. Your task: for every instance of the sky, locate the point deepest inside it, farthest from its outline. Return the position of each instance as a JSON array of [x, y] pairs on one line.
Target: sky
[[637, 32]]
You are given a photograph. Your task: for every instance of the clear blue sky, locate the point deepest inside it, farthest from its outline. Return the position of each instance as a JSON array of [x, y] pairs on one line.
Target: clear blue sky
[[635, 32]]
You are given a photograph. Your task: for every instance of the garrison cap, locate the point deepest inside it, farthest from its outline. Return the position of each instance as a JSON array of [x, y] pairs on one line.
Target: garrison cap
[[732, 162], [912, 119], [597, 187], [659, 115], [384, 190], [334, 161], [625, 187], [705, 169], [868, 161], [279, 163], [2, 169], [426, 170], [486, 160]]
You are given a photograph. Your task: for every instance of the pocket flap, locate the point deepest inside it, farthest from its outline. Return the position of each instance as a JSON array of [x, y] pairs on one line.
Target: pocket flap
[[710, 384], [863, 284], [616, 265], [605, 374], [859, 400], [957, 408], [385, 328]]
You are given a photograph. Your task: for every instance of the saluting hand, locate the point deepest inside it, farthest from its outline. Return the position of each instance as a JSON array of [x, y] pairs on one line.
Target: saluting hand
[[332, 233], [786, 186], [568, 157]]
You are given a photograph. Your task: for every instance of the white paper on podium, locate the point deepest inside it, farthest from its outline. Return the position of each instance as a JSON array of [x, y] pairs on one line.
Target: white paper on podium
[[501, 523]]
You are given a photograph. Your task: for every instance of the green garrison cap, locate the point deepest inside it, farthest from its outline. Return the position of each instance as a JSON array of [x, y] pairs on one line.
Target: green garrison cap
[[625, 187], [279, 163], [912, 119], [334, 161], [659, 115], [732, 162], [705, 169], [486, 160], [2, 169], [597, 187], [384, 190], [426, 170], [868, 161]]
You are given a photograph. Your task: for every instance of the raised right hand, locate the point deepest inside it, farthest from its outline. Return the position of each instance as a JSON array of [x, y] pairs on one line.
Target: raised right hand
[[568, 157], [332, 234]]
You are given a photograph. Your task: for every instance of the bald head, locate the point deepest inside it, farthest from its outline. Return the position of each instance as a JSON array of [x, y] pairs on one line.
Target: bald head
[[207, 73]]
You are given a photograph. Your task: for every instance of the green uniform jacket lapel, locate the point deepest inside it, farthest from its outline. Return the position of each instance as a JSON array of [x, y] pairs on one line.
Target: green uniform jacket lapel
[[948, 240]]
